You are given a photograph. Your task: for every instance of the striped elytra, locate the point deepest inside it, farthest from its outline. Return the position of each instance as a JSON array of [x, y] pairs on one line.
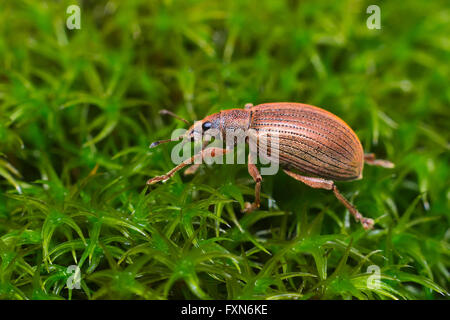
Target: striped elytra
[[311, 140]]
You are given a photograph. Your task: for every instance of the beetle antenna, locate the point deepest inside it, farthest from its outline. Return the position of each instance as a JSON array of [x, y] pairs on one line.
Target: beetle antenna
[[170, 113], [157, 143]]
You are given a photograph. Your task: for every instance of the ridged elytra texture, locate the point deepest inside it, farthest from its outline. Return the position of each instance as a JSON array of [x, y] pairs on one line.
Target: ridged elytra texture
[[311, 139]]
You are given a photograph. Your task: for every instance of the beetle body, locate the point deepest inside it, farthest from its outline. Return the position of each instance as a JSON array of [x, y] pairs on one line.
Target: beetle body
[[310, 140]]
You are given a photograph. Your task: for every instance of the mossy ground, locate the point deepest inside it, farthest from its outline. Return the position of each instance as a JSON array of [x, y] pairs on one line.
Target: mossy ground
[[78, 109]]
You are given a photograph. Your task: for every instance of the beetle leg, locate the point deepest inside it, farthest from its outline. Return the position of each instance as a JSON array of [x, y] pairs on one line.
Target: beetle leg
[[254, 172], [319, 183], [370, 159], [248, 106], [193, 169], [210, 152]]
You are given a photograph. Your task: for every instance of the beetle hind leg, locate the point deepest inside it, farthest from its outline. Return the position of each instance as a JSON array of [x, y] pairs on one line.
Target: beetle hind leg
[[370, 159], [319, 183]]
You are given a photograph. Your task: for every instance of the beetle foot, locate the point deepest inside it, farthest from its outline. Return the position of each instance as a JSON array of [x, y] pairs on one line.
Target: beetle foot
[[381, 163], [249, 207], [370, 159], [157, 179], [367, 223]]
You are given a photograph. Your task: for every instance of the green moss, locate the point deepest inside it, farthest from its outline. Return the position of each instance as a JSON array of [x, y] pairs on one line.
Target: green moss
[[78, 109]]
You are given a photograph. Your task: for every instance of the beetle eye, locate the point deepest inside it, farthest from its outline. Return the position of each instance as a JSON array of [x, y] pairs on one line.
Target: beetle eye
[[206, 126]]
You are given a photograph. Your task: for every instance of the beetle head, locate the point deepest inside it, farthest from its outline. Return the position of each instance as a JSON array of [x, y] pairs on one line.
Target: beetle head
[[216, 125], [208, 126]]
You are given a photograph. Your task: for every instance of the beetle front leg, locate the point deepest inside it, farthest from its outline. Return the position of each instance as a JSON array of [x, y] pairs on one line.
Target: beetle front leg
[[370, 159], [193, 169], [319, 183], [254, 172], [210, 152]]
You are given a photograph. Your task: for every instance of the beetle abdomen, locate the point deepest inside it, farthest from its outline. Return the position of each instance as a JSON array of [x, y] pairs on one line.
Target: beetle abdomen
[[311, 139]]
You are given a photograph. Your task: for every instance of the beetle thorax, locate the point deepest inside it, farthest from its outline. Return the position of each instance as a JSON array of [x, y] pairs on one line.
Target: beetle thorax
[[235, 119], [234, 125]]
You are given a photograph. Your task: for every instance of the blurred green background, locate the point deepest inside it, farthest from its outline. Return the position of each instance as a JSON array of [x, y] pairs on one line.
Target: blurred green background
[[78, 109]]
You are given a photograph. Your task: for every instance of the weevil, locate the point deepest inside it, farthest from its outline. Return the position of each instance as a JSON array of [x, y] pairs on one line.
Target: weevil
[[314, 146]]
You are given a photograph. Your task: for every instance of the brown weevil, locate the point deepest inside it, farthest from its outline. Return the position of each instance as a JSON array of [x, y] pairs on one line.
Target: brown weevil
[[311, 140]]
